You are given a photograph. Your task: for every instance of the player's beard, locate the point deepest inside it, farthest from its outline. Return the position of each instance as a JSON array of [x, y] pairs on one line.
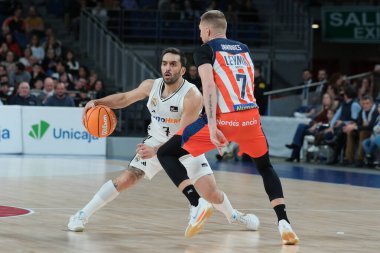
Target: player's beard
[[171, 80]]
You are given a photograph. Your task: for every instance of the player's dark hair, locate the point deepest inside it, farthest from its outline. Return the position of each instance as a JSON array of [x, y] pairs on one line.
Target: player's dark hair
[[176, 51]]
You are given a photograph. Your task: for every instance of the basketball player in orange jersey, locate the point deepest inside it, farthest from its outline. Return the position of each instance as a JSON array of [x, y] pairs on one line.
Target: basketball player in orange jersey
[[173, 103], [227, 73]]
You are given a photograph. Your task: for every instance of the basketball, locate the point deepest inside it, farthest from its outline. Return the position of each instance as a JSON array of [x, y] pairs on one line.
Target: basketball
[[100, 121]]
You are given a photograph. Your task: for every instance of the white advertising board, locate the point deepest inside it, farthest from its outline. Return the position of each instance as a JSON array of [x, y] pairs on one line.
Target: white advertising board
[[10, 129], [58, 130]]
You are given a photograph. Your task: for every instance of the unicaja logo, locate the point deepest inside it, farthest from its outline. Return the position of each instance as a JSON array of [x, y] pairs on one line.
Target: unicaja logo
[[39, 130]]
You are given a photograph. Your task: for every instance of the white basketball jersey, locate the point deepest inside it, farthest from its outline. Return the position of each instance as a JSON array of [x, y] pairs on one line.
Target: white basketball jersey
[[166, 112]]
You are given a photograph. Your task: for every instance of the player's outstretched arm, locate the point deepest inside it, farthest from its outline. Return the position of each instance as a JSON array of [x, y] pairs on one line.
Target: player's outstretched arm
[[121, 100]]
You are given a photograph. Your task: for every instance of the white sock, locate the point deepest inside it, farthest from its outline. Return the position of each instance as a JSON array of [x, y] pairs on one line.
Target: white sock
[[105, 194], [226, 208]]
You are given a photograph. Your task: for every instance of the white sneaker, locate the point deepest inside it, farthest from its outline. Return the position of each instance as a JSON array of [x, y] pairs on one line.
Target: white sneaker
[[250, 221], [287, 234], [198, 215], [77, 222]]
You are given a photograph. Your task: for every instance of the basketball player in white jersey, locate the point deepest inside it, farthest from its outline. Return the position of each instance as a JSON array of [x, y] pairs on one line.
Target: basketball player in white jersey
[[173, 104]]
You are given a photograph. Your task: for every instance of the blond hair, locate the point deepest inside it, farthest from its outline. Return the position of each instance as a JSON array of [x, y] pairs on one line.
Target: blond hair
[[216, 19]]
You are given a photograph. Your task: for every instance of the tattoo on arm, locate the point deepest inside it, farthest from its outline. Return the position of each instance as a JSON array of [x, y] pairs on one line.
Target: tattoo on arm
[[210, 106]]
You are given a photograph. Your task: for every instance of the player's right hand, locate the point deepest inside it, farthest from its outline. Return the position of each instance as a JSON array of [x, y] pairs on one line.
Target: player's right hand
[[90, 104], [218, 139]]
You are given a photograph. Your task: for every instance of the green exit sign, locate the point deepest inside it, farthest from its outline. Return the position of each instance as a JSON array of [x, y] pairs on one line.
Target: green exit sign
[[351, 24]]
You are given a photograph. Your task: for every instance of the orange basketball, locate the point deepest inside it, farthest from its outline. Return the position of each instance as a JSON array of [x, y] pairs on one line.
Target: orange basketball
[[100, 121]]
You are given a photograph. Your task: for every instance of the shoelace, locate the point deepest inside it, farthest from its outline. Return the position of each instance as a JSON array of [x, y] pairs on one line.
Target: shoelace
[[242, 218]]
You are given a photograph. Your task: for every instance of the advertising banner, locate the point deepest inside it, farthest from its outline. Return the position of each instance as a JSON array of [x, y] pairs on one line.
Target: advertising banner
[[351, 24], [58, 130], [10, 129]]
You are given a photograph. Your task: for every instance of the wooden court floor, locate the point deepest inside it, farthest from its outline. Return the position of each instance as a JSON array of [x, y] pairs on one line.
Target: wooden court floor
[[152, 217]]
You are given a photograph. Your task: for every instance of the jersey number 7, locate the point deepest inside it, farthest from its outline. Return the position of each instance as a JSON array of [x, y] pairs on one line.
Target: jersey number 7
[[243, 79]]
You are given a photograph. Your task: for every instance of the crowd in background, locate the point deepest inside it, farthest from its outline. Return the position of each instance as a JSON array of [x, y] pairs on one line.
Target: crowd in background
[[345, 123], [36, 69]]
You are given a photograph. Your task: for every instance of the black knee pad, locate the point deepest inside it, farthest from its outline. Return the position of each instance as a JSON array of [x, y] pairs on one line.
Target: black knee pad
[[168, 155]]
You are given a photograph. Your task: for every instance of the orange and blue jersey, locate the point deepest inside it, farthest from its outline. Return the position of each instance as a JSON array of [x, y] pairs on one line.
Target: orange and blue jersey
[[233, 71]]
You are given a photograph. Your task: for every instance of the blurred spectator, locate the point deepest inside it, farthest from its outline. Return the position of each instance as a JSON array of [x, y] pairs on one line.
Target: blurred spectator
[[308, 129], [4, 78], [37, 73], [20, 75], [47, 34], [193, 77], [324, 135], [3, 51], [48, 90], [80, 84], [15, 23], [81, 98], [359, 130], [322, 77], [23, 96], [12, 44], [37, 89], [37, 50], [99, 89], [60, 98], [5, 93], [100, 12], [336, 86], [83, 72], [307, 109], [260, 87], [28, 59], [3, 70], [34, 23], [347, 113], [364, 88], [72, 63], [10, 62], [376, 82], [373, 142], [66, 79], [1, 102], [49, 62], [92, 79], [61, 70], [307, 79], [52, 43]]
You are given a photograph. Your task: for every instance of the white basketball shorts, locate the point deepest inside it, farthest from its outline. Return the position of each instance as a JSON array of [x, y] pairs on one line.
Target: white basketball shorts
[[196, 167]]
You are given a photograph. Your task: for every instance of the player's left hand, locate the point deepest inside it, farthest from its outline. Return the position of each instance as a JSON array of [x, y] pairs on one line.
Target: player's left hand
[[145, 151], [219, 140]]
